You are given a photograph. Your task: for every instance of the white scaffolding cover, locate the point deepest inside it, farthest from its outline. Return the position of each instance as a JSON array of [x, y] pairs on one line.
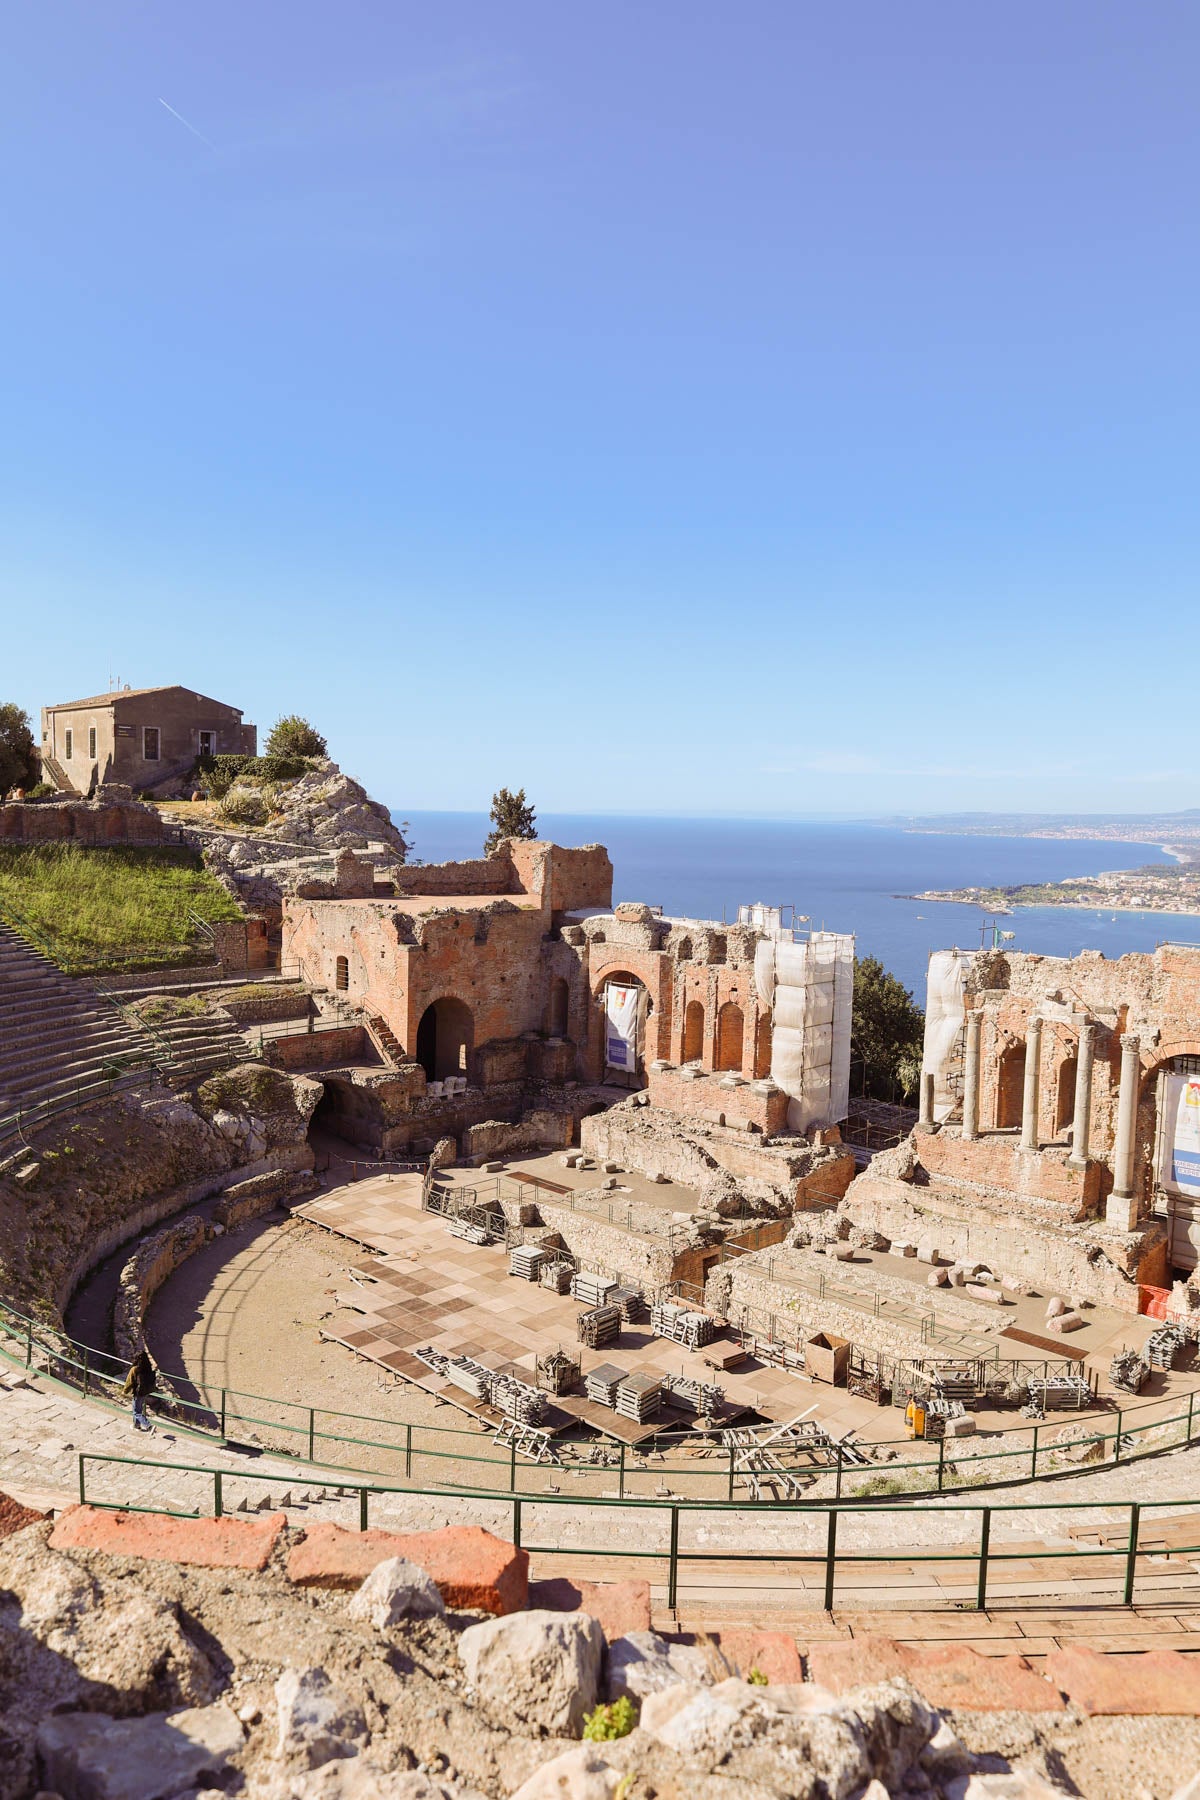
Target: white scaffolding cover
[[809, 987], [945, 1022]]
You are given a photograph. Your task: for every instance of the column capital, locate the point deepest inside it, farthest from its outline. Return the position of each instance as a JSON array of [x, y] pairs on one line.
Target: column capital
[[1131, 1043]]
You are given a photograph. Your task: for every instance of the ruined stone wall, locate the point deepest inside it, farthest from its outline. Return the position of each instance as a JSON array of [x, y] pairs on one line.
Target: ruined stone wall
[[493, 874], [317, 1049], [695, 1094], [90, 822], [999, 1163]]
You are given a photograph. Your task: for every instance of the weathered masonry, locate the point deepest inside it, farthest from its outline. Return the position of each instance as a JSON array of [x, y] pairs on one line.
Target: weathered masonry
[[140, 736], [1066, 1092], [516, 969]]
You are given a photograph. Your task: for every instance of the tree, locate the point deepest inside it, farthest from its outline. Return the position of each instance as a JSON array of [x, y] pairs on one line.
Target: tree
[[511, 817], [887, 1033], [20, 764], [294, 736]]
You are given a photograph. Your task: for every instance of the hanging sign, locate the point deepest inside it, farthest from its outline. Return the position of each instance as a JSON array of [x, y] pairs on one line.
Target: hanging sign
[[620, 1026], [1180, 1169]]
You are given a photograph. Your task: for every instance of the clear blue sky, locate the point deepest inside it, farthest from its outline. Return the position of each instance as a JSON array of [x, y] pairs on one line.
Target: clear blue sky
[[782, 408]]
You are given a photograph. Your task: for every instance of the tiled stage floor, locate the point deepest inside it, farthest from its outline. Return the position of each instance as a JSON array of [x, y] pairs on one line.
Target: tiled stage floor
[[423, 1286]]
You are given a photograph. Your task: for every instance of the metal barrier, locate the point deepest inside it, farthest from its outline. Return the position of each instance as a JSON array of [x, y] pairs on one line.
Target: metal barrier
[[823, 1524], [322, 1436]]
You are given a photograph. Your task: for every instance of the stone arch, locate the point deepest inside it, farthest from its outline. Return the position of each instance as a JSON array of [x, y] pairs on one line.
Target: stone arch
[[445, 1037], [558, 1008], [341, 974], [731, 1031], [1064, 1096], [693, 1031], [1010, 1086], [624, 978]]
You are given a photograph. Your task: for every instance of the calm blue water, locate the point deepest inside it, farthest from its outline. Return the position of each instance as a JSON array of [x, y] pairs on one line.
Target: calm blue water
[[844, 876]]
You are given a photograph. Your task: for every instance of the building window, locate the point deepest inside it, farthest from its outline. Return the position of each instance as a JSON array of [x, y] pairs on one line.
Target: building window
[[67, 743], [206, 745], [91, 743], [149, 743], [341, 977]]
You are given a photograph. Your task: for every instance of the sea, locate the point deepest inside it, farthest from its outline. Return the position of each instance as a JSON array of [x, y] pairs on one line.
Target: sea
[[844, 876]]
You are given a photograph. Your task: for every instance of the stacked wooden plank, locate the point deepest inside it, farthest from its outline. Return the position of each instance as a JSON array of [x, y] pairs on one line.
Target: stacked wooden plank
[[633, 1307], [525, 1261], [1163, 1346], [515, 1398], [598, 1326], [682, 1327], [593, 1290], [639, 1397], [601, 1383]]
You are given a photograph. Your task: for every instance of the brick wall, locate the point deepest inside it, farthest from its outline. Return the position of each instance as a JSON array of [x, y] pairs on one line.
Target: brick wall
[[79, 822], [317, 1049]]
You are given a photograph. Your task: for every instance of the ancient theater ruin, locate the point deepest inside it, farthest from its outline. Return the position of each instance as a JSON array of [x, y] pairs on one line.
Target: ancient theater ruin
[[518, 1004]]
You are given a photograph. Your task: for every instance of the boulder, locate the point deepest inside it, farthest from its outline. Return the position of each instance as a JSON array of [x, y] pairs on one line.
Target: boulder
[[643, 1663], [394, 1590], [90, 1756], [540, 1667], [317, 1721], [580, 1774]]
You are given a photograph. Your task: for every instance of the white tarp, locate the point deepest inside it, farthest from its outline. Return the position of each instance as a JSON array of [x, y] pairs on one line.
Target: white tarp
[[945, 1018], [621, 1006], [810, 988], [1180, 1135]]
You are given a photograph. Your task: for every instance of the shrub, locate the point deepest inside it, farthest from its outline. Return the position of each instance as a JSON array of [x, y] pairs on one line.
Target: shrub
[[756, 1678], [244, 806], [608, 1722], [42, 790], [217, 774], [294, 736]]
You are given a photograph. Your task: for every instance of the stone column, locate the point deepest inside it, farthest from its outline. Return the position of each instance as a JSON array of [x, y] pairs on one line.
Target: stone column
[[1033, 1064], [1082, 1130], [1122, 1203], [926, 1097], [970, 1122]]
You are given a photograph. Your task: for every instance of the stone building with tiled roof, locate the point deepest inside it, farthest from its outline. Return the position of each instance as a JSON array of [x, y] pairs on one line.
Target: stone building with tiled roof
[[142, 736]]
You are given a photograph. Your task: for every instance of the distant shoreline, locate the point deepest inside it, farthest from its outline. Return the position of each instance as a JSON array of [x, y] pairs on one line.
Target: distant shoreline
[[1083, 906]]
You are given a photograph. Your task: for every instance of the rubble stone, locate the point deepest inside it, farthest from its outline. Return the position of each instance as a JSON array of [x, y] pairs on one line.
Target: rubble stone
[[90, 1756], [542, 1667], [396, 1589]]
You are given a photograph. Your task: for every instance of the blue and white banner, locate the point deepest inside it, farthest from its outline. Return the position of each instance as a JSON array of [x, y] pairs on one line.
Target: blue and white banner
[[1180, 1169], [621, 1026]]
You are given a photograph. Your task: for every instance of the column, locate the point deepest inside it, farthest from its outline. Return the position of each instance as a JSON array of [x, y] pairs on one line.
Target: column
[[1082, 1130], [1033, 1063], [970, 1122], [1126, 1123], [926, 1097]]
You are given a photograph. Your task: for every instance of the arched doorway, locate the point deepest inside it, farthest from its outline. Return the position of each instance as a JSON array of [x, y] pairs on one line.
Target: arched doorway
[[693, 1031], [625, 1006], [1010, 1087], [731, 1027], [1064, 1104], [444, 1038]]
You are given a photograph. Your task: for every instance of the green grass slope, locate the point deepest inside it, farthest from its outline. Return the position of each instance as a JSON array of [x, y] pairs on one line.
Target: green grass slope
[[98, 911]]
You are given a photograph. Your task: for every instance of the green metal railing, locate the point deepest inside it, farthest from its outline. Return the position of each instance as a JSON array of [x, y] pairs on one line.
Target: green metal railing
[[340, 1442], [978, 1559]]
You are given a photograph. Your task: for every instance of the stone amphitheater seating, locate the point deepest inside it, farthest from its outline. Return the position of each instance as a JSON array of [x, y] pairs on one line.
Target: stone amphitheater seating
[[59, 1038]]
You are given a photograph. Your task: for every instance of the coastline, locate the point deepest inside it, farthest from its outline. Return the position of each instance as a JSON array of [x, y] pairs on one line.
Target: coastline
[[1089, 906]]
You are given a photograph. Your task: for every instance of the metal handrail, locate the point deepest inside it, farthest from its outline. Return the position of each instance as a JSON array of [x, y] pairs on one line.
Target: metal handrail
[[980, 1559]]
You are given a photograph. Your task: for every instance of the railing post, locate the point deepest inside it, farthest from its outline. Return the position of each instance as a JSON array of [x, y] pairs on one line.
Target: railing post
[[941, 1462], [838, 1488], [218, 1497], [985, 1532], [512, 1468], [28, 1343], [516, 1525], [732, 1458], [1033, 1461], [1117, 1439], [362, 1508], [82, 1495], [223, 1433], [830, 1557], [86, 1370], [1191, 1404], [673, 1561], [408, 1452], [312, 1432], [621, 1475], [1135, 1513]]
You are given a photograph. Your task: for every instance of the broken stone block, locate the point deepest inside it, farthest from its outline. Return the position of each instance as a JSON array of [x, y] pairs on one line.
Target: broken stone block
[[1080, 1303], [94, 1757], [1013, 1284], [610, 1168], [937, 1278], [541, 1667], [394, 1590], [961, 1427], [901, 1248], [958, 1275], [579, 1774], [1066, 1321], [643, 1663], [317, 1721], [991, 1294], [927, 1251], [1054, 1307]]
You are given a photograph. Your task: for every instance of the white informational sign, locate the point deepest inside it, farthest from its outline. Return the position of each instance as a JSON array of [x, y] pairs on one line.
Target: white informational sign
[[620, 1026], [1180, 1171]]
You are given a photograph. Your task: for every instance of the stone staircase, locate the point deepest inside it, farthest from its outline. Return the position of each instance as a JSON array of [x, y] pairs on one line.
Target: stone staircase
[[385, 1040], [60, 1041], [198, 1045]]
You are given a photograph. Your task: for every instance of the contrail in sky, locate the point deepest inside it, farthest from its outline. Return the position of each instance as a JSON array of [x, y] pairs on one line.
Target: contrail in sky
[[191, 128]]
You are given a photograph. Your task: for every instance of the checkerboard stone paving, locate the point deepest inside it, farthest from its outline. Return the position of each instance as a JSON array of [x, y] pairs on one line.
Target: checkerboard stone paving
[[423, 1286]]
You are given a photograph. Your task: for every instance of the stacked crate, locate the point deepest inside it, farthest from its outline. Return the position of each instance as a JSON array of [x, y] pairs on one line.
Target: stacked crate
[[525, 1260], [593, 1290], [696, 1396], [599, 1326], [601, 1383], [633, 1307], [638, 1397], [528, 1405], [691, 1329]]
